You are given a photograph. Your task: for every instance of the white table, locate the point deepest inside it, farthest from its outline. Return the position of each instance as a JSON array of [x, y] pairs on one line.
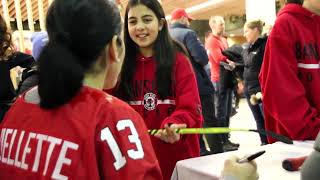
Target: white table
[[269, 164]]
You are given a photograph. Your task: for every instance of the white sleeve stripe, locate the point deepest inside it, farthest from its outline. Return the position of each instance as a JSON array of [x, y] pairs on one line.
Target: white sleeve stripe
[[166, 101], [309, 66]]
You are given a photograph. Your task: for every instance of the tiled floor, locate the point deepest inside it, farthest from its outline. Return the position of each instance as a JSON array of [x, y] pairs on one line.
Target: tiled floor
[[244, 119]]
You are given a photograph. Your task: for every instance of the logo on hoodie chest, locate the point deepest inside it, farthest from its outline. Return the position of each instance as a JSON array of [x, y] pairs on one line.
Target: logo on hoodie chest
[[149, 101]]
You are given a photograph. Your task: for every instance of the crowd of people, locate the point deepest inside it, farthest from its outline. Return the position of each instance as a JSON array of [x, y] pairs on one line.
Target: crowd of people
[[88, 97]]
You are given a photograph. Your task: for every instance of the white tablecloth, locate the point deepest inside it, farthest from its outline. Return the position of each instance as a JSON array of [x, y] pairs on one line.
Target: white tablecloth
[[269, 164]]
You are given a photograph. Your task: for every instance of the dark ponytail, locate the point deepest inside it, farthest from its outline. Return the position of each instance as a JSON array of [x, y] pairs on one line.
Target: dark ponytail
[[59, 78], [79, 31]]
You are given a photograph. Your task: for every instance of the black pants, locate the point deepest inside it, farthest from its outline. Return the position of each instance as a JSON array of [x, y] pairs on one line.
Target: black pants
[[257, 113], [223, 107], [3, 109], [208, 112]]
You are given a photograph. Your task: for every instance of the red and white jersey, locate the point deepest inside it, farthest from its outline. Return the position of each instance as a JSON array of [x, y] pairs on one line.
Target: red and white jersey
[[94, 136]]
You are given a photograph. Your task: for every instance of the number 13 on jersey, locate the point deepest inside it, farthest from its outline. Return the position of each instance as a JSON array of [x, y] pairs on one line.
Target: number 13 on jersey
[[120, 160]]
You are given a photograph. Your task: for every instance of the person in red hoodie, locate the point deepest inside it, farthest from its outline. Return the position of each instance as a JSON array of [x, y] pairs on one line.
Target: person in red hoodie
[[158, 81], [290, 74], [67, 127]]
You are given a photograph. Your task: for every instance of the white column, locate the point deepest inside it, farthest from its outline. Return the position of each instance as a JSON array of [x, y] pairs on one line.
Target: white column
[[41, 15], [261, 9], [6, 15], [30, 15], [19, 24]]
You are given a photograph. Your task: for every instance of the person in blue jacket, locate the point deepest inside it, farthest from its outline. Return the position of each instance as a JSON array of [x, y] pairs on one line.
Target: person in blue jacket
[[180, 31]]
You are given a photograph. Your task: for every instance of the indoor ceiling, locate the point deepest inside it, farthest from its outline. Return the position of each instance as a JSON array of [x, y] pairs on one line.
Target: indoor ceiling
[[218, 7], [23, 8], [222, 7]]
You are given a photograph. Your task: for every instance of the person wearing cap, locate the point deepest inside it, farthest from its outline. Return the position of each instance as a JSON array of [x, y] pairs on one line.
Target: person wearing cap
[[180, 31], [39, 40]]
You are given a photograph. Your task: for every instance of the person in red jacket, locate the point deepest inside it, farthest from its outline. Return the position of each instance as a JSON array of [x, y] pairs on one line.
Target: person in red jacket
[[290, 74], [220, 77], [66, 127], [158, 81], [215, 44]]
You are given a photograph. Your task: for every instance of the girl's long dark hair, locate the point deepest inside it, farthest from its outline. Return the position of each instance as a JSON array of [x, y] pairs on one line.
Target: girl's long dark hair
[[164, 53], [6, 46], [78, 31]]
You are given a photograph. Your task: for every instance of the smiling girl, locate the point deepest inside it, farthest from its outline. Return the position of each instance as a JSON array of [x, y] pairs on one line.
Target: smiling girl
[[157, 80]]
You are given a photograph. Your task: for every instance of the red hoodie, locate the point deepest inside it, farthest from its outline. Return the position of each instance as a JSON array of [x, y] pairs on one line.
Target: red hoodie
[[184, 108], [290, 75], [215, 45], [94, 136]]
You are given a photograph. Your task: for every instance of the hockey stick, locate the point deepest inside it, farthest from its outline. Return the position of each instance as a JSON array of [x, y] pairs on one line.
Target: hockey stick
[[221, 130]]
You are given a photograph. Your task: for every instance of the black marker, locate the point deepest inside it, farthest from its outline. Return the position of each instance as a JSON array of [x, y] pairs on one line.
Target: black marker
[[251, 157]]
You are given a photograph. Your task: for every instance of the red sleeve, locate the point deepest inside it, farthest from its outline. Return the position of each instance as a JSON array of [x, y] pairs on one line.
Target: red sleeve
[[188, 106], [215, 51], [284, 96], [123, 146]]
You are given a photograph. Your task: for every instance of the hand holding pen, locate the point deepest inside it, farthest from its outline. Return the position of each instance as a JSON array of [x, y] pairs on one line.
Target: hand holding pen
[[250, 157], [242, 169]]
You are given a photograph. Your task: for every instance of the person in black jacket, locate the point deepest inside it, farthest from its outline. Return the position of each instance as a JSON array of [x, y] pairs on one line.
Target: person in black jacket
[[253, 57], [181, 32], [8, 60]]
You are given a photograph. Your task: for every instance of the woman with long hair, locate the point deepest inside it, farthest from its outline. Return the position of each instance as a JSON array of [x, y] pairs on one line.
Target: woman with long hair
[[158, 81], [67, 127], [9, 59]]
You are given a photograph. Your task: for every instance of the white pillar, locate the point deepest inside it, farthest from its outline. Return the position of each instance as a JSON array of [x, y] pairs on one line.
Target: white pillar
[[261, 9], [6, 15], [30, 15], [41, 15], [19, 25]]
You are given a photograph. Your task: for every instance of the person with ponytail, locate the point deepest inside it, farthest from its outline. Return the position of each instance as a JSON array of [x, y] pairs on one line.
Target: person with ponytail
[[253, 57], [67, 127], [158, 81]]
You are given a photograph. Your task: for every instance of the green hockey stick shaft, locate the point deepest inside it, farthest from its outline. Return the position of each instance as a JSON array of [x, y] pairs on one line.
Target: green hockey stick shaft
[[222, 130]]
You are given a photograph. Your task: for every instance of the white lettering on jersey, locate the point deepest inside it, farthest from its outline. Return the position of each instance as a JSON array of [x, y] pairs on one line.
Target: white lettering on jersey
[[26, 151], [5, 144], [53, 141], [41, 138], [107, 136], [16, 160], [14, 151], [120, 160], [63, 160], [11, 161], [1, 142], [133, 138]]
